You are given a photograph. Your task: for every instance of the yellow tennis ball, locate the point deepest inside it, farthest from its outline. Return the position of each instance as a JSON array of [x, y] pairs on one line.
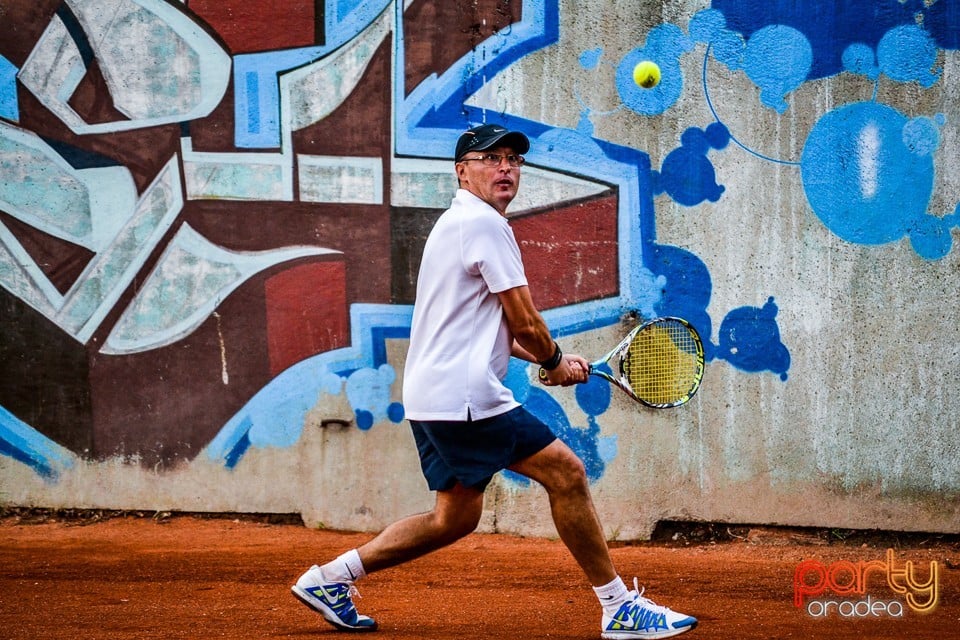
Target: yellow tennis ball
[[646, 74]]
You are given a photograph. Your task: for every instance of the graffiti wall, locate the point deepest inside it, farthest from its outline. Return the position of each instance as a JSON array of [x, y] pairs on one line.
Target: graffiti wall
[[212, 213]]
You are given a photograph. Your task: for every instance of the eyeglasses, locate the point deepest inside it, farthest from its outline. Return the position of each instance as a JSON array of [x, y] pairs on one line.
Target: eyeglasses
[[494, 160]]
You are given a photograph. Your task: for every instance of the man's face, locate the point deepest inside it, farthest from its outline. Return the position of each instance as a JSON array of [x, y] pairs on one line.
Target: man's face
[[496, 185]]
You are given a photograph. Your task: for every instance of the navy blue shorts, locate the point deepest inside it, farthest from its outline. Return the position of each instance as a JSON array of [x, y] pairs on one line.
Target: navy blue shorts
[[472, 452]]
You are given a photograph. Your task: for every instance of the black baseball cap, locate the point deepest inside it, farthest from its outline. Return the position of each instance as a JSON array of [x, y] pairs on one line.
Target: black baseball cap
[[491, 135]]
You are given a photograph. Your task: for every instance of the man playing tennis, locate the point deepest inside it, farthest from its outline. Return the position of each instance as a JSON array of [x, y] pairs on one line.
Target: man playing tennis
[[473, 311]]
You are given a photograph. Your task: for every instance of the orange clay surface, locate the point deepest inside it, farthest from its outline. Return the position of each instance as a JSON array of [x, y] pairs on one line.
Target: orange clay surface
[[186, 576]]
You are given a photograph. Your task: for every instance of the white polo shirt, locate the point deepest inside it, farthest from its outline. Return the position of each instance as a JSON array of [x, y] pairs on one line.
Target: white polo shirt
[[459, 340]]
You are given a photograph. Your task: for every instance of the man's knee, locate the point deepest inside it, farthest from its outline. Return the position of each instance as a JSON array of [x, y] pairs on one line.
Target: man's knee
[[458, 513], [557, 468], [572, 475], [461, 524], [564, 475]]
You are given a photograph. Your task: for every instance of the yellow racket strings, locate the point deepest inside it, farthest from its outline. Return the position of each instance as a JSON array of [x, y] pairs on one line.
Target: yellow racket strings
[[662, 363]]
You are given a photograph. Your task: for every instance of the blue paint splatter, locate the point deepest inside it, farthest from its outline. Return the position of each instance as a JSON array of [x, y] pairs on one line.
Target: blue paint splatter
[[906, 54], [364, 419], [368, 391], [687, 175], [831, 27], [778, 60], [859, 59], [750, 340], [593, 396], [727, 46], [864, 178], [590, 59], [686, 289]]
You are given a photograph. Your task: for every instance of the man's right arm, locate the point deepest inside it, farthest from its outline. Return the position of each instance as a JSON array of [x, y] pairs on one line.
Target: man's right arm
[[531, 335]]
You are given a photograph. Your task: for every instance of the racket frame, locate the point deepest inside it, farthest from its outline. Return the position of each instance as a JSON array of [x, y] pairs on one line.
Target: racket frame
[[619, 353]]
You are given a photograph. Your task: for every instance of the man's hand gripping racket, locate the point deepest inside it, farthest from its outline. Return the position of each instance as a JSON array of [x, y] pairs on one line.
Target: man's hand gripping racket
[[659, 363]]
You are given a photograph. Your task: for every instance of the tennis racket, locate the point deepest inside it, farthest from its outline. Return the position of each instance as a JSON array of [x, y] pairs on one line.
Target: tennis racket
[[659, 363]]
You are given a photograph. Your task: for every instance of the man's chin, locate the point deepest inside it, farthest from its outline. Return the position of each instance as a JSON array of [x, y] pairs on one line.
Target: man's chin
[[503, 201]]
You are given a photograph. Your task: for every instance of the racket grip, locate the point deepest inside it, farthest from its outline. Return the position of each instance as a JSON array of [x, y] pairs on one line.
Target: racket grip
[[543, 373]]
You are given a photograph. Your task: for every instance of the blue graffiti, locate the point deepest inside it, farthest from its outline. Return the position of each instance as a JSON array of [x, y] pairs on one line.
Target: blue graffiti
[[863, 22], [727, 46], [750, 340], [25, 444], [9, 106], [687, 175], [778, 60], [368, 391], [686, 288], [430, 117], [866, 168], [906, 54], [868, 172], [653, 277]]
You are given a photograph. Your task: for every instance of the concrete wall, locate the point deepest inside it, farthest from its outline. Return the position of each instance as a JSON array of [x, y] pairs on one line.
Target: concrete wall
[[211, 215]]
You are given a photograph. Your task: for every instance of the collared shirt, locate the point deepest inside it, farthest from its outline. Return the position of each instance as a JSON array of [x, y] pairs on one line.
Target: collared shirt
[[460, 343]]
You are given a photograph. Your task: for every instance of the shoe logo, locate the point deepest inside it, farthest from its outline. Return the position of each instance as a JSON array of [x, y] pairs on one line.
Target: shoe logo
[[337, 597], [330, 595], [634, 618]]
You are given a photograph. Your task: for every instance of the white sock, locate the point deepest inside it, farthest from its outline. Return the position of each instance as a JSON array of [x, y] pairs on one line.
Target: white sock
[[612, 595], [345, 568]]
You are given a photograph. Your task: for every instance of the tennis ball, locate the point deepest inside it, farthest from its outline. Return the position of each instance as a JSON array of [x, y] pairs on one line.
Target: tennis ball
[[646, 74]]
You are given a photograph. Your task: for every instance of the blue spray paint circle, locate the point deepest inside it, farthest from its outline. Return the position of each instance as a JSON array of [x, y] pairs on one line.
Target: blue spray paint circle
[[861, 177]]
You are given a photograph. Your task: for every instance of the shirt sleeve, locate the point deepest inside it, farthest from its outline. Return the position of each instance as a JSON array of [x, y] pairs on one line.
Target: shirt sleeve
[[490, 250]]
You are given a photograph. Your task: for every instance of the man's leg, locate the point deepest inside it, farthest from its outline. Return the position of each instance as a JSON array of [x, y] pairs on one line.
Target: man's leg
[[329, 589], [627, 615], [456, 513], [562, 474]]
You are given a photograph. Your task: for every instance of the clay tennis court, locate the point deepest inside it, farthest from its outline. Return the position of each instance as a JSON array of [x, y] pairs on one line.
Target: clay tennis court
[[185, 576]]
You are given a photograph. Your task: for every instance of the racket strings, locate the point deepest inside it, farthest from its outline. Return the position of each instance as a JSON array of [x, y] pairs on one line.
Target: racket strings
[[662, 363]]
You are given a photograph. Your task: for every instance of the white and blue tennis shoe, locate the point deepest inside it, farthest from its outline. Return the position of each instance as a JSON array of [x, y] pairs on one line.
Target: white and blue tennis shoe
[[640, 618], [332, 600]]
